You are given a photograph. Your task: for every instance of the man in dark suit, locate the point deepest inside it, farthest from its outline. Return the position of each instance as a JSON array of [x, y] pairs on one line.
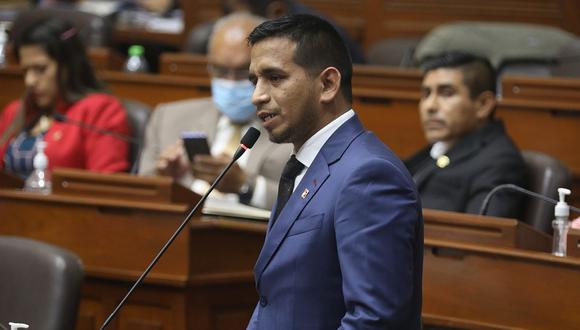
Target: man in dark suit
[[344, 244], [470, 152]]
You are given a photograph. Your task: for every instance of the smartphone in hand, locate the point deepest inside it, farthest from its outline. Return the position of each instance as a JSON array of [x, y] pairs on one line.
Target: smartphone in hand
[[195, 143]]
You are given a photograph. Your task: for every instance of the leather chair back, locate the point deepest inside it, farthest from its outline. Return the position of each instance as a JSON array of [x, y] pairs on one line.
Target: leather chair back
[[393, 52], [546, 175], [568, 60], [40, 284], [138, 115], [198, 38]]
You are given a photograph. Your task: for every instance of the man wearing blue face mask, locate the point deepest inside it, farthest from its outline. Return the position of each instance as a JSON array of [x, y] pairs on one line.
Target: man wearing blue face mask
[[224, 118]]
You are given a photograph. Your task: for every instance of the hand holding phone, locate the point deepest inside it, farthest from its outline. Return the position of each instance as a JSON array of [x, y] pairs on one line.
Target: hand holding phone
[[195, 143]]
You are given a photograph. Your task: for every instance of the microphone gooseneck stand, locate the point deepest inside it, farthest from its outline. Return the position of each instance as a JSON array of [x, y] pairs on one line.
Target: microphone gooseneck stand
[[247, 142], [510, 186]]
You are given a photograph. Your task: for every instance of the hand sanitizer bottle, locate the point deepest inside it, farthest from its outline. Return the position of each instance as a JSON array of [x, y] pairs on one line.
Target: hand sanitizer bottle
[[561, 224], [39, 180]]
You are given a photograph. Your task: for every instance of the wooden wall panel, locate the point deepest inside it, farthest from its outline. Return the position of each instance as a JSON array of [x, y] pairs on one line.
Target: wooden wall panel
[[368, 21], [395, 18]]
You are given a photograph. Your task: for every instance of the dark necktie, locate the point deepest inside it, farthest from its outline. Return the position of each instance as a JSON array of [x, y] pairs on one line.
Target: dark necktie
[[286, 186]]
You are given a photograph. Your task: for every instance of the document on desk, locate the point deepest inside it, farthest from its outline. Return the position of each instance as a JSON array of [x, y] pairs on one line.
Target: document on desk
[[228, 208]]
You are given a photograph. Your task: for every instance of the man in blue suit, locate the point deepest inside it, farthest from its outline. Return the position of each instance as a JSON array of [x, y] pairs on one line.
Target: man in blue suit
[[344, 250]]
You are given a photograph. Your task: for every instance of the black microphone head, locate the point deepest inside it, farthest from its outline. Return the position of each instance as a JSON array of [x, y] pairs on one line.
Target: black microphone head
[[250, 138], [59, 117]]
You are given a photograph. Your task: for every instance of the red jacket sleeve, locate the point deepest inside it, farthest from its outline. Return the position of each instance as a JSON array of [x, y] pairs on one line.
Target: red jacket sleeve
[[106, 153], [6, 117]]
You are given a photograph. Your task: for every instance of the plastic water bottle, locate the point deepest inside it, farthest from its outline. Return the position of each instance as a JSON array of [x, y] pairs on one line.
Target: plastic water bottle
[[136, 61], [39, 180], [561, 224]]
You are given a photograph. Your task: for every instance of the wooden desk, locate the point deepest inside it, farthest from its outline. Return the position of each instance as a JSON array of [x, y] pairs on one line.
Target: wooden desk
[[183, 64], [467, 284], [205, 280], [129, 35], [484, 230], [147, 88], [102, 58], [386, 100], [154, 89], [106, 59], [116, 238]]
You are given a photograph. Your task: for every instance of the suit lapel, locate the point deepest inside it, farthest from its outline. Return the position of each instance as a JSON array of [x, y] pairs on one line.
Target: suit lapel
[[464, 149], [315, 177], [425, 171]]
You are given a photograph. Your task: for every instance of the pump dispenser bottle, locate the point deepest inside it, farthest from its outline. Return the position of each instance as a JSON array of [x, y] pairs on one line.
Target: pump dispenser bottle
[[39, 180], [561, 224]]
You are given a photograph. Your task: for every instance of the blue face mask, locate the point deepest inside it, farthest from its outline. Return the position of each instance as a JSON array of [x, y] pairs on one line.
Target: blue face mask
[[234, 99]]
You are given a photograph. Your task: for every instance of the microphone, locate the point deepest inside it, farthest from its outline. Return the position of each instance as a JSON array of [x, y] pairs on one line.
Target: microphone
[[61, 118], [247, 142], [510, 186]]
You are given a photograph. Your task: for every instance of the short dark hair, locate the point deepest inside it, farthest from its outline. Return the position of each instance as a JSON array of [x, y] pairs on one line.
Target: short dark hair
[[478, 73], [61, 41], [318, 45]]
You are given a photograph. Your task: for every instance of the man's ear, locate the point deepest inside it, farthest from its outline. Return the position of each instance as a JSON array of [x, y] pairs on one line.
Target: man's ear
[[330, 84], [486, 103]]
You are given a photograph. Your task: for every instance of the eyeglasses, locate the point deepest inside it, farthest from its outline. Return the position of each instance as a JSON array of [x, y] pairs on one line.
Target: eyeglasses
[[219, 71]]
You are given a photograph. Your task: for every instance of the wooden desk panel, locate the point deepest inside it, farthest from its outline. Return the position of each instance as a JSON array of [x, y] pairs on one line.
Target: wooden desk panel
[[386, 100], [101, 58], [205, 280], [503, 287], [184, 64], [116, 240], [553, 131], [106, 59], [484, 230], [395, 122], [154, 89], [550, 109], [131, 35], [147, 88]]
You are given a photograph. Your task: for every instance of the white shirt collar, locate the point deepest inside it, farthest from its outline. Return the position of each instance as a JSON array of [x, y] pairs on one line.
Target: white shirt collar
[[438, 149], [312, 146]]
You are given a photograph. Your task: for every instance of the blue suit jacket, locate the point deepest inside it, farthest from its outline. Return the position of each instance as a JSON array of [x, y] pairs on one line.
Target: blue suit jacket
[[346, 251]]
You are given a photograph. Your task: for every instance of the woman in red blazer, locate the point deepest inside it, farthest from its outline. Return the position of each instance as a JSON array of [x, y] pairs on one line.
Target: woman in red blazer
[[59, 79]]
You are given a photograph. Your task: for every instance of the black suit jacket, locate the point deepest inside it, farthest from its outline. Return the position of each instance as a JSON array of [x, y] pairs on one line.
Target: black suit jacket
[[477, 163]]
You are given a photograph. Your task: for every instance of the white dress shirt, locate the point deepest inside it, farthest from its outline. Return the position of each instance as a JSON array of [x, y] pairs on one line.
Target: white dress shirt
[[312, 146]]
